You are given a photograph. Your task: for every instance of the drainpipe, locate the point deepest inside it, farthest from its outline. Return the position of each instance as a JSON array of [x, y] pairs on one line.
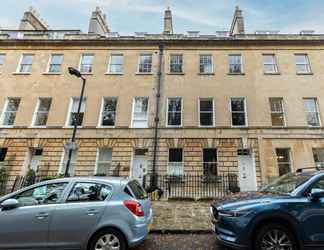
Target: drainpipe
[[153, 181]]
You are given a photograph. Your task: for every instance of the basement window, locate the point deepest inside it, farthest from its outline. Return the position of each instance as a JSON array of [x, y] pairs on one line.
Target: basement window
[[175, 164], [3, 153], [283, 160], [318, 154]]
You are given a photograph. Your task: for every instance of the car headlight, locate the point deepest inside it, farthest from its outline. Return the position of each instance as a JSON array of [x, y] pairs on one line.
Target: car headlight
[[225, 213]]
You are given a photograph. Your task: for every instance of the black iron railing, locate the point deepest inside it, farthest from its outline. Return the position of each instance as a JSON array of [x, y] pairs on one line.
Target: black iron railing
[[196, 186]]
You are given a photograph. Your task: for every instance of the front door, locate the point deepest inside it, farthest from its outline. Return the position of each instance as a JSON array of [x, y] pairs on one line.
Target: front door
[[247, 171], [139, 168]]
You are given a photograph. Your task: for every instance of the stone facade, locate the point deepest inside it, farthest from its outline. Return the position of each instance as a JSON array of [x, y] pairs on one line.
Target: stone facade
[[259, 135]]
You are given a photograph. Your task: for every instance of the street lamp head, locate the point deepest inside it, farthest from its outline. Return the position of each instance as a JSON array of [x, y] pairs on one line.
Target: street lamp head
[[74, 72]]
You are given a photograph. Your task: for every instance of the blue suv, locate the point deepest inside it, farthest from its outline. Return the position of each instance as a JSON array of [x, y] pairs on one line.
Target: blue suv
[[287, 214]]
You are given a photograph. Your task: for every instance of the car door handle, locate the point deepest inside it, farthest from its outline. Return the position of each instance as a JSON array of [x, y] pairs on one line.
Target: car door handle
[[42, 216], [92, 212]]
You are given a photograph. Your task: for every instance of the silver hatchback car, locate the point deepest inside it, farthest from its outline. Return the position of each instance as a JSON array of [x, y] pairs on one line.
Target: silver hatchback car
[[96, 213]]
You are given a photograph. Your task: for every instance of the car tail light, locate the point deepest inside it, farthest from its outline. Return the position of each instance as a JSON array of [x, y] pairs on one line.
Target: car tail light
[[134, 207]]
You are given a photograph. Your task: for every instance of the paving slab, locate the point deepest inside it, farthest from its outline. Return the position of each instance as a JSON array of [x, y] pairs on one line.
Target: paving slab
[[181, 215]]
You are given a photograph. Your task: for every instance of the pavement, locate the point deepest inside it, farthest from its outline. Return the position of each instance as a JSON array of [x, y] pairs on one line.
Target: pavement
[[180, 216]]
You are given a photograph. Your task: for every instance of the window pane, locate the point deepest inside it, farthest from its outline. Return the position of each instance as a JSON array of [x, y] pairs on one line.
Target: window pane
[[276, 104], [145, 64], [238, 119], [89, 192], [175, 155], [45, 104], [206, 119], [210, 161], [237, 105], [86, 63], [310, 105], [3, 153], [109, 112], [277, 119], [13, 104], [176, 63], [41, 119], [47, 194], [206, 65], [174, 104], [75, 117], [268, 59], [283, 159], [301, 59], [312, 119], [116, 64], [104, 161], [56, 59], [27, 59]]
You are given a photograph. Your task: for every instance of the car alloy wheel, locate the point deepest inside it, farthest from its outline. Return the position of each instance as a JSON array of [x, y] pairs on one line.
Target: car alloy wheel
[[107, 242], [276, 239]]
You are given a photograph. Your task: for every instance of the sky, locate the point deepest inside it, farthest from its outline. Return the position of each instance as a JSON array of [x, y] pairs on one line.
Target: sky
[[206, 16]]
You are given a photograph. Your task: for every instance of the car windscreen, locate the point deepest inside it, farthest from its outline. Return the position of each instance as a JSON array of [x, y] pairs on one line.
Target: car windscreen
[[137, 190], [286, 183]]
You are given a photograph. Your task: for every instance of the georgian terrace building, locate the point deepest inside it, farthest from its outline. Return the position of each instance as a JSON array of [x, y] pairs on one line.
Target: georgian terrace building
[[179, 104]]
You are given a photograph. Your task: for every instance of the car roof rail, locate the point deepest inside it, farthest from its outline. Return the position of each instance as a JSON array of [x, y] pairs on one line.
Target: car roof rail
[[300, 170]]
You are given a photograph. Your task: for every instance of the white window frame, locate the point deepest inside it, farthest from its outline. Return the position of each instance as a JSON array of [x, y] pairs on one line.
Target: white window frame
[[245, 112], [80, 63], [139, 64], [283, 111], [274, 64], [67, 125], [36, 112], [147, 115], [109, 64], [307, 64], [318, 113], [4, 110], [229, 64], [167, 113], [97, 159], [20, 61], [212, 64], [49, 64], [99, 125], [182, 162], [182, 63], [199, 122]]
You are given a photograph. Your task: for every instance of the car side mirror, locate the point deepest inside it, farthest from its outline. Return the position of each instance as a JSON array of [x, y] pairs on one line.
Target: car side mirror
[[9, 204], [316, 194]]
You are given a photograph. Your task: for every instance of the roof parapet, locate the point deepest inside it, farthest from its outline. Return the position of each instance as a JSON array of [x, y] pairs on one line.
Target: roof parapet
[[98, 24], [32, 21], [237, 27]]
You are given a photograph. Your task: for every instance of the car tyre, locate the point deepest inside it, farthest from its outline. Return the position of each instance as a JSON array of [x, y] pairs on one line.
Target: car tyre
[[108, 239], [277, 236]]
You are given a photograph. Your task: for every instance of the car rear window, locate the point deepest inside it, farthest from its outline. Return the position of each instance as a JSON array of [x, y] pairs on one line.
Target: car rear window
[[137, 190]]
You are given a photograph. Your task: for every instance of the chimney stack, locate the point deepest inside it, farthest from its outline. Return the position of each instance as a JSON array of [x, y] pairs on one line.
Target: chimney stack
[[168, 26], [98, 24], [237, 27], [32, 21]]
